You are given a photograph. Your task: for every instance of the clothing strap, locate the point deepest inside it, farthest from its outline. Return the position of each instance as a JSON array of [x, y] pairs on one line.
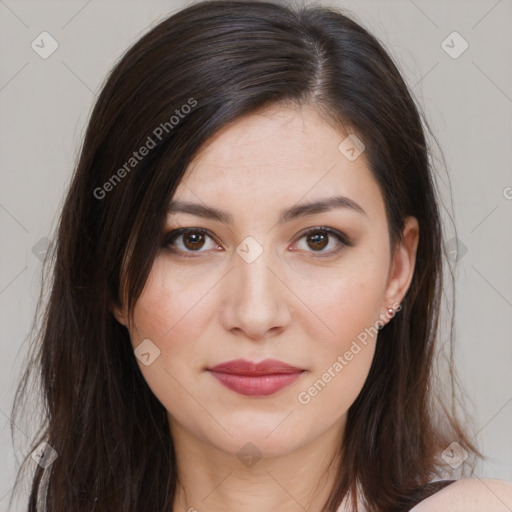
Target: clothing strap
[[422, 493]]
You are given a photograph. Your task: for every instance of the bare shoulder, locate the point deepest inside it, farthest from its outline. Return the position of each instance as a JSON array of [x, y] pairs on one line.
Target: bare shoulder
[[470, 495]]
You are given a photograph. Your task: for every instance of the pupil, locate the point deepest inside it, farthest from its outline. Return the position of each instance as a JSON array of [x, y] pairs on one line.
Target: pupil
[[316, 240], [193, 244]]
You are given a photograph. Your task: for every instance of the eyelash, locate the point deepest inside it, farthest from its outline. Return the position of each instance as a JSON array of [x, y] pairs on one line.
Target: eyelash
[[171, 236]]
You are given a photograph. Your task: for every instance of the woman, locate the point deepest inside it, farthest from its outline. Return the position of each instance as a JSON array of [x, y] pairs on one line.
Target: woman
[[247, 283]]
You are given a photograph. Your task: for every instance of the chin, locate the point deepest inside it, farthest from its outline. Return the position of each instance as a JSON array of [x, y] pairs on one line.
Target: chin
[[250, 433]]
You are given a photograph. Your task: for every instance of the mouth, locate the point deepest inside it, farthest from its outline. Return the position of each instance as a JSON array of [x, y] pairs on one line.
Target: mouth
[[255, 379]]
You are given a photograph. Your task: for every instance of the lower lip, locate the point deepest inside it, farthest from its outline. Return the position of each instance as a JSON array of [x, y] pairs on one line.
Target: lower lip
[[258, 385]]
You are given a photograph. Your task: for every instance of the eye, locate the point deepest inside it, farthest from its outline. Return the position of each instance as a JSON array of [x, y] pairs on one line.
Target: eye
[[189, 240], [319, 238]]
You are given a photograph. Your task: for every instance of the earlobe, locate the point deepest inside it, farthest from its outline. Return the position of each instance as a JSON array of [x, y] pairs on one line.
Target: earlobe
[[403, 264], [119, 314]]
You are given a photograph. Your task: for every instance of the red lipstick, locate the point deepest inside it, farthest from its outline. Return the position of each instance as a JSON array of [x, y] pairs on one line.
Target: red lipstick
[[255, 379]]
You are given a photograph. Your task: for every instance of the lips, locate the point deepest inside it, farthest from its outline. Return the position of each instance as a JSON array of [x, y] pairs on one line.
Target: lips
[[255, 379]]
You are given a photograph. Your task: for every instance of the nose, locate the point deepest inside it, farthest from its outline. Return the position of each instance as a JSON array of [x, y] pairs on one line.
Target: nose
[[257, 300]]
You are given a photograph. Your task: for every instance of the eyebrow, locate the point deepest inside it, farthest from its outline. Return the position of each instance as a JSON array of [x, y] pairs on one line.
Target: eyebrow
[[287, 215]]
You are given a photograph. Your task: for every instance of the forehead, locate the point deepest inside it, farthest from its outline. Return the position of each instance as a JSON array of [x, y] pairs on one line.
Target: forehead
[[275, 157], [277, 136]]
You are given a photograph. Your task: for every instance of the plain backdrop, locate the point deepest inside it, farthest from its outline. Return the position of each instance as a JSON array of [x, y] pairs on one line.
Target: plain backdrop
[[467, 99]]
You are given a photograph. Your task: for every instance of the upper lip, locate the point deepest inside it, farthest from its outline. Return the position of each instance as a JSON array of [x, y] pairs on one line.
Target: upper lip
[[244, 367]]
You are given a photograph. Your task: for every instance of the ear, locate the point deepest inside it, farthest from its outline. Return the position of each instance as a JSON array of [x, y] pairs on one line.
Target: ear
[[402, 264], [119, 313]]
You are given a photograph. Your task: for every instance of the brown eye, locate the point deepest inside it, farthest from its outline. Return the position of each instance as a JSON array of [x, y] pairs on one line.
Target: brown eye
[[193, 240], [187, 240], [318, 240]]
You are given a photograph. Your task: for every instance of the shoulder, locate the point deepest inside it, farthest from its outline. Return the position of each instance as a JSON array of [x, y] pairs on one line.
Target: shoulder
[[470, 495]]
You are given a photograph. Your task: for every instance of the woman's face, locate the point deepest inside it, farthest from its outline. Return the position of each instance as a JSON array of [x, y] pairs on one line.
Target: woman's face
[[255, 286]]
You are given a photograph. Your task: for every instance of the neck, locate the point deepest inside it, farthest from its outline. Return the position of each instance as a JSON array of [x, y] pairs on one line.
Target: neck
[[213, 480]]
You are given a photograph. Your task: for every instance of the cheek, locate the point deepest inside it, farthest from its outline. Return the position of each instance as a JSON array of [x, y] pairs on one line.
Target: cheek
[[344, 300], [350, 304], [171, 312], [171, 304]]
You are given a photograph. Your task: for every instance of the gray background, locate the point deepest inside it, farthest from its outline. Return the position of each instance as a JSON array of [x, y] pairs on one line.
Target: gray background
[[45, 104]]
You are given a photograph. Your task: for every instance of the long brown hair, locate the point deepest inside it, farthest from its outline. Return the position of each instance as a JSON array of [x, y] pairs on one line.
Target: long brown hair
[[190, 75]]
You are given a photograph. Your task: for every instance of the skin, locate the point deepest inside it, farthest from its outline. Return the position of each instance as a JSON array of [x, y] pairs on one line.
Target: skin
[[470, 495], [287, 304]]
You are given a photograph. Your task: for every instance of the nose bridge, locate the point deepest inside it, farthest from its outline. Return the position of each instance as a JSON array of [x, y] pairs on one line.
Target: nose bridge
[[252, 269], [256, 295]]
